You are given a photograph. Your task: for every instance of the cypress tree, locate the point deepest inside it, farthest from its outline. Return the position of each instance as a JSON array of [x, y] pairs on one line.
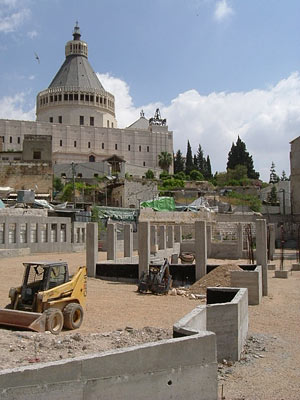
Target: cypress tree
[[189, 163], [178, 162], [239, 155]]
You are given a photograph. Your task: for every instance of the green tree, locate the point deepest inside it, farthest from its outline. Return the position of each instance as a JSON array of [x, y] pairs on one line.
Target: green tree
[[272, 198], [238, 155], [200, 160], [283, 176], [195, 162], [189, 163], [208, 174], [57, 184], [165, 160], [178, 162], [149, 174], [196, 176], [274, 178]]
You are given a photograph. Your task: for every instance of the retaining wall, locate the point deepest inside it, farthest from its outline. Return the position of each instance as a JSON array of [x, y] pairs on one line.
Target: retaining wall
[[250, 278], [170, 369], [225, 314]]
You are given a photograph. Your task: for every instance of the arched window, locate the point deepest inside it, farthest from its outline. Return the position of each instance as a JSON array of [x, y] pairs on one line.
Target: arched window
[[91, 158]]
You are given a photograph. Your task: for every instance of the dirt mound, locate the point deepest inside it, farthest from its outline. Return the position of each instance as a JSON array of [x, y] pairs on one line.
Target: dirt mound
[[219, 276]]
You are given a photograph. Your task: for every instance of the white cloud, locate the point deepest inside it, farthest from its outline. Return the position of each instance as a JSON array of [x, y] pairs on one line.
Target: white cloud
[[222, 10], [12, 15], [266, 120], [12, 107], [32, 34]]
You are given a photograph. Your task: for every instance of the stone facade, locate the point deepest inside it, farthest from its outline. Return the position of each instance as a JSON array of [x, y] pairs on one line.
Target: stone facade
[[131, 192], [295, 178]]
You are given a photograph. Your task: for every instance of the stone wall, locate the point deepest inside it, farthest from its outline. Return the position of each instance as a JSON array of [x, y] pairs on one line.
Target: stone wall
[[19, 175]]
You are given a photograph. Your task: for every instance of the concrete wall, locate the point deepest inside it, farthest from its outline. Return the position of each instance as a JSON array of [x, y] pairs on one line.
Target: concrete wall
[[221, 250], [171, 369], [42, 234], [228, 320], [250, 279]]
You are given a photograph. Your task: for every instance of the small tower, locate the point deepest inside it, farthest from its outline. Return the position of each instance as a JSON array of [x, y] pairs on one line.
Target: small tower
[[76, 96]]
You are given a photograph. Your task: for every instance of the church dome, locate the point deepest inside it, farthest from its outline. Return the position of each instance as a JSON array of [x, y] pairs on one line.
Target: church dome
[[76, 96]]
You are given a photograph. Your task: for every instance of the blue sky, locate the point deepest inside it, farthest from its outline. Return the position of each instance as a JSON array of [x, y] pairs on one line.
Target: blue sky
[[216, 68]]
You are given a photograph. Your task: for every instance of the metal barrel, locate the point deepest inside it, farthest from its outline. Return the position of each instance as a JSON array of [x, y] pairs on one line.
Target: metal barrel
[[23, 319]]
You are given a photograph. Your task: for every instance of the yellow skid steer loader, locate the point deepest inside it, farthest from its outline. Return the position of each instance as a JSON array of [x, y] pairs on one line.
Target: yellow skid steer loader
[[48, 298]]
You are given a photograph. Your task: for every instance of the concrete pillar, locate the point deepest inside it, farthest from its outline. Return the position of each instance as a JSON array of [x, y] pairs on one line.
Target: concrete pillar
[[128, 240], [111, 242], [208, 239], [170, 241], [48, 233], [18, 234], [153, 239], [91, 248], [200, 248], [178, 234], [144, 247], [272, 240], [162, 244], [261, 252], [239, 230]]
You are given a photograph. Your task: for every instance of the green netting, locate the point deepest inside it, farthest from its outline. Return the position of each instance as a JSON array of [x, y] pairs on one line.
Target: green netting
[[160, 204], [117, 214]]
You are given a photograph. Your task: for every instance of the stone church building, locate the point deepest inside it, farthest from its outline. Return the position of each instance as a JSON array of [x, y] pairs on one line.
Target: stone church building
[[79, 115]]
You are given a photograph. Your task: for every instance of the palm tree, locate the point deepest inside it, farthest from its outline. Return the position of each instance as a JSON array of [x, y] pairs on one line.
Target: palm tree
[[165, 160]]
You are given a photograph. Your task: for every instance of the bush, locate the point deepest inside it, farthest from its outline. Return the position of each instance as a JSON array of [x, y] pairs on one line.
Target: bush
[[180, 175], [196, 176], [164, 175], [149, 174]]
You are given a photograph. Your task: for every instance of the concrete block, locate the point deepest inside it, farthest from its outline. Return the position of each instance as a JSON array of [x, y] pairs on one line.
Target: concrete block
[[296, 267], [178, 233], [153, 239], [128, 240], [271, 267], [250, 278], [281, 274], [111, 242], [261, 252], [170, 240], [144, 247], [91, 248], [200, 249], [162, 242], [272, 241]]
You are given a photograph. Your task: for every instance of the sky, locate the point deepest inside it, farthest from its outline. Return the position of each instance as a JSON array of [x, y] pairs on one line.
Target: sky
[[217, 69]]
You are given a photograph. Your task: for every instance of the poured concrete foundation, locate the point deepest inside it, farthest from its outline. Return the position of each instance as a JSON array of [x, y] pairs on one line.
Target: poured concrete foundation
[[283, 274], [226, 314], [171, 369], [250, 277]]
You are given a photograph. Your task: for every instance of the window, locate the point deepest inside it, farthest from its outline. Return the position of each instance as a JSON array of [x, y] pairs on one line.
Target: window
[[60, 119], [92, 121], [144, 164], [75, 143], [81, 97], [97, 99], [96, 175], [55, 97], [71, 97], [89, 145], [19, 140], [108, 124], [148, 149], [10, 139], [59, 97], [65, 97], [3, 139], [112, 124], [87, 97], [129, 147], [140, 148], [102, 146], [60, 143], [116, 146], [51, 99], [92, 98], [76, 96], [37, 155], [50, 119], [81, 120], [79, 175], [92, 158]]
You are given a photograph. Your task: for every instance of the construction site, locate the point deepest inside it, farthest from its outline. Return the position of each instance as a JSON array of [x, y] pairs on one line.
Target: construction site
[[219, 327]]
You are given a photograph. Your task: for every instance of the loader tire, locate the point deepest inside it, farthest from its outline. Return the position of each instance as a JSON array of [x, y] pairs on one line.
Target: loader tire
[[73, 316], [54, 320]]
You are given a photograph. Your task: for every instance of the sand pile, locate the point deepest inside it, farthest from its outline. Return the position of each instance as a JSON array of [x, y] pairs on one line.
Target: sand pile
[[219, 276]]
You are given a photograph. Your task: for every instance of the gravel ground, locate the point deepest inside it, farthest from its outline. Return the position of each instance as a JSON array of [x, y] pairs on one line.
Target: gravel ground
[[116, 316]]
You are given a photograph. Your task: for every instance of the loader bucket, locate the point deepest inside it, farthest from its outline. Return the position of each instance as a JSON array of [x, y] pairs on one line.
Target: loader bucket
[[23, 319]]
